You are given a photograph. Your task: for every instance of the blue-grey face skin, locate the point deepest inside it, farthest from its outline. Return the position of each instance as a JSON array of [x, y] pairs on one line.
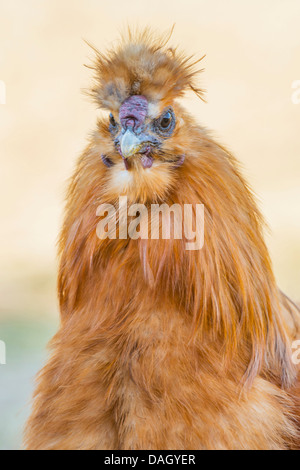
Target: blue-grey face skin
[[130, 139]]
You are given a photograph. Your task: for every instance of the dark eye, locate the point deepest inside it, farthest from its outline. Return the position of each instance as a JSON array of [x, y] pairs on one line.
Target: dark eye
[[166, 120], [166, 123], [112, 121]]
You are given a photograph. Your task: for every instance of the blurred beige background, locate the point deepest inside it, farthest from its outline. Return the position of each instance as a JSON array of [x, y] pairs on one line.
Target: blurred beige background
[[253, 50]]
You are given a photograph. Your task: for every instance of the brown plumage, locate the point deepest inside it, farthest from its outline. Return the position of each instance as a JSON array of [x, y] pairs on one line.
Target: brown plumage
[[160, 347]]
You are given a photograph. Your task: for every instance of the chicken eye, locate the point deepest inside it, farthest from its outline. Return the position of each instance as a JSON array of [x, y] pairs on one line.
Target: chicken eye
[[166, 123], [166, 120], [112, 120], [112, 123]]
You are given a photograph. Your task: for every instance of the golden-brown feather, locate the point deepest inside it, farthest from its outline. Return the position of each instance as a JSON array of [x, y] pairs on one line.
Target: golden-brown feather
[[159, 347]]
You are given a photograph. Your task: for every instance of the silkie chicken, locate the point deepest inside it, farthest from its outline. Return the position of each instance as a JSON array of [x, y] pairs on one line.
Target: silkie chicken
[[161, 347]]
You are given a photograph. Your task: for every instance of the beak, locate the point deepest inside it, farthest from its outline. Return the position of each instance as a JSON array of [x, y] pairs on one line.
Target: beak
[[130, 144]]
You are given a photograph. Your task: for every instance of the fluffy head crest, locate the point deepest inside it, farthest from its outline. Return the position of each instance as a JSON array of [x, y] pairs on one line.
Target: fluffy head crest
[[143, 65]]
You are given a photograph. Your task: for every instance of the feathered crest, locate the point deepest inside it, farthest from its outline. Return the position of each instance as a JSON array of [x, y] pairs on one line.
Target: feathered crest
[[143, 64]]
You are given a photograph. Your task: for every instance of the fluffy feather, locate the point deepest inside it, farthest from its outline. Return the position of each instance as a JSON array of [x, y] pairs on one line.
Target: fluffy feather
[[159, 347]]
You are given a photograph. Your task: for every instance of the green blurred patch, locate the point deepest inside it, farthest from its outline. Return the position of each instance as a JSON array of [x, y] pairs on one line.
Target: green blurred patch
[[24, 336], [26, 340]]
